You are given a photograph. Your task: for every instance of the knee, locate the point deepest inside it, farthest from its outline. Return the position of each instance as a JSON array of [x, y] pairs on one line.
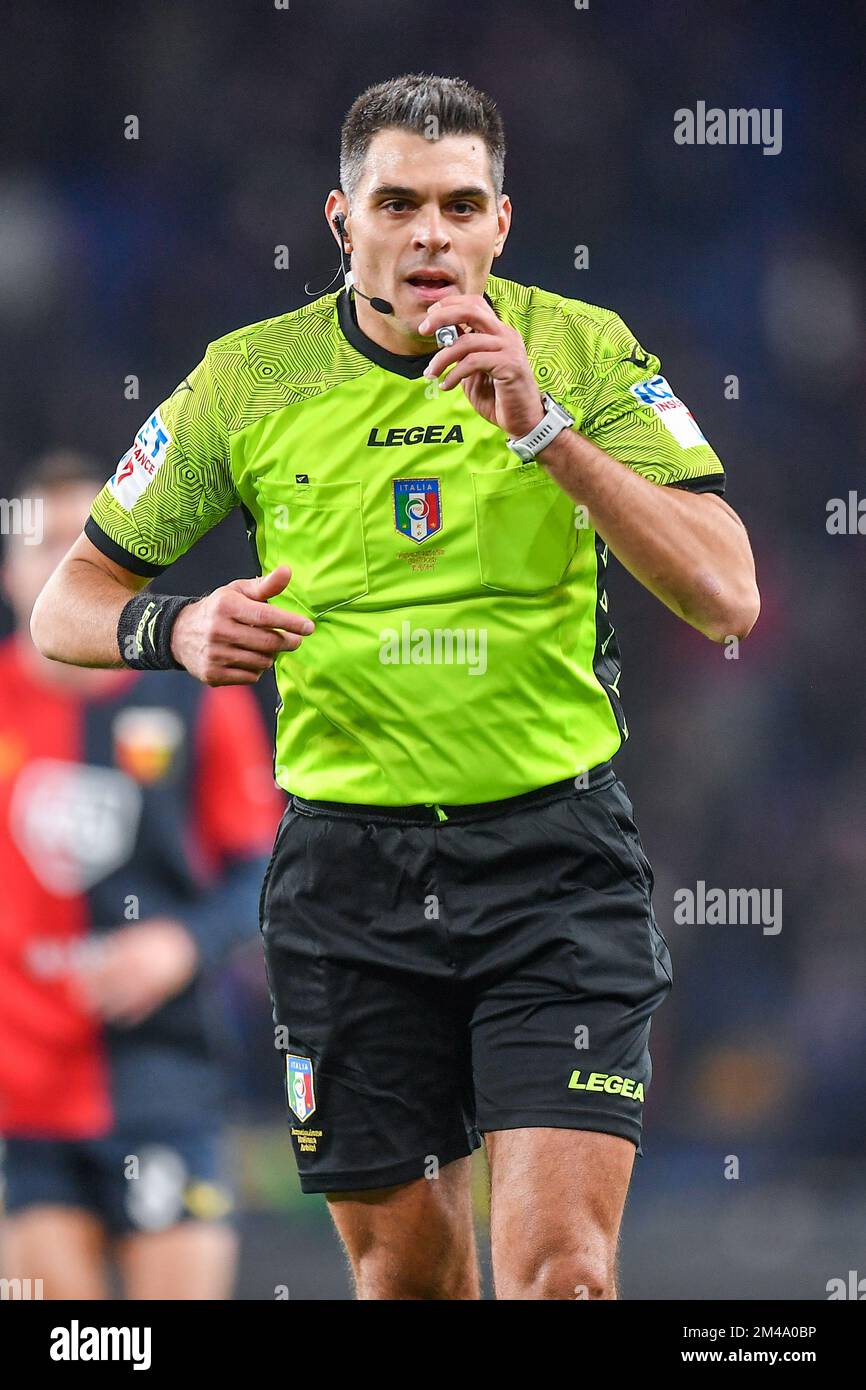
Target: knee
[[565, 1274]]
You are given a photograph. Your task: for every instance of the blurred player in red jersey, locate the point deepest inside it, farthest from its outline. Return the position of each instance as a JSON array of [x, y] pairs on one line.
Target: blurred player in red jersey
[[136, 815]]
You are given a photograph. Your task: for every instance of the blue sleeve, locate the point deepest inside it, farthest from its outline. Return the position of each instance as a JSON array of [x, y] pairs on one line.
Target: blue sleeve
[[228, 913]]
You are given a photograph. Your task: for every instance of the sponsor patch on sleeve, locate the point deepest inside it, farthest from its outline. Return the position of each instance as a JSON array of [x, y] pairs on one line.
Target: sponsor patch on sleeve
[[674, 414], [140, 464]]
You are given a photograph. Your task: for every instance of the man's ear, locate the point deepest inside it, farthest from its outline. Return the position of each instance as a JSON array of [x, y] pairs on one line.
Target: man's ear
[[336, 204], [503, 218]]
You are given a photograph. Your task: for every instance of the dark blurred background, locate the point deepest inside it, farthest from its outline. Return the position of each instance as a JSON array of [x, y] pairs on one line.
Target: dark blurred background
[[125, 257]]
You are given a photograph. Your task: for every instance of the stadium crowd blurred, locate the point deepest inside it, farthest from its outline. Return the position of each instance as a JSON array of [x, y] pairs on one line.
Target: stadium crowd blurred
[[120, 258]]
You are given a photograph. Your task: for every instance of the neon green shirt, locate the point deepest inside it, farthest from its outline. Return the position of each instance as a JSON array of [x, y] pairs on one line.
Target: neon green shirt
[[463, 648]]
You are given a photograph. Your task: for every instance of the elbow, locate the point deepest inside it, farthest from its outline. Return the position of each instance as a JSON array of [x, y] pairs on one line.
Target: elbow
[[41, 628], [37, 626], [739, 616]]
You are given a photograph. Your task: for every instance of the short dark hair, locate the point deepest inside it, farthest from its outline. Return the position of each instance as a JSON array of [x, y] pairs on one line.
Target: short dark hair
[[431, 106]]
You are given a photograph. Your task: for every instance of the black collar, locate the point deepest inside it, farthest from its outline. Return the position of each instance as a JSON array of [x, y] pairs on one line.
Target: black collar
[[391, 361]]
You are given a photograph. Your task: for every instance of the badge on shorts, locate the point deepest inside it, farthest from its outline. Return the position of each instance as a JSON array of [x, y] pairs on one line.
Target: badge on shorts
[[299, 1086], [417, 510]]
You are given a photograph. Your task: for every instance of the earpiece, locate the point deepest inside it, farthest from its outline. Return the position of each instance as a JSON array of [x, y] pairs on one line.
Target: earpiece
[[382, 306]]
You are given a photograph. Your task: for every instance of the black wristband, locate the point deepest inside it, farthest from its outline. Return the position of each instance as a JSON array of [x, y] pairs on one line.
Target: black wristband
[[144, 631]]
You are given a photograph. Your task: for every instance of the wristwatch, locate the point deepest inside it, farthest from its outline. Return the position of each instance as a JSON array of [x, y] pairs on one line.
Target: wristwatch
[[555, 420]]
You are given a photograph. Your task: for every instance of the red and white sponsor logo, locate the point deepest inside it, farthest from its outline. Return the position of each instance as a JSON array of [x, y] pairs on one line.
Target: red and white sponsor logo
[[657, 393], [142, 462]]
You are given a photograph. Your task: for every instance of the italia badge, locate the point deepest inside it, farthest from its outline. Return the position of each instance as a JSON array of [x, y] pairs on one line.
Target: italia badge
[[299, 1086], [417, 509]]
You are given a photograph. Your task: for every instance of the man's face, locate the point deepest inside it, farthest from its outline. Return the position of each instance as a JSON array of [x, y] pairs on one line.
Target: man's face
[[423, 223], [27, 568]]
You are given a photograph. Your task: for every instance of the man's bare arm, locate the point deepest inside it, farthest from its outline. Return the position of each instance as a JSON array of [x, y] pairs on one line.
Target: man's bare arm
[[75, 617], [230, 637], [689, 549]]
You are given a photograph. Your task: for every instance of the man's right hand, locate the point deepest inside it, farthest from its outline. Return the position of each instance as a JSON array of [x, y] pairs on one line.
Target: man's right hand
[[233, 635]]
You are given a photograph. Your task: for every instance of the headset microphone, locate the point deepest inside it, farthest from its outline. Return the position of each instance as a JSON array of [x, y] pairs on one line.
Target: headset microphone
[[444, 336], [382, 306]]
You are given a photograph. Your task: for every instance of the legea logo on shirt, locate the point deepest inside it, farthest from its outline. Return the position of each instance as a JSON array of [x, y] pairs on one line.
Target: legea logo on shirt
[[674, 414], [415, 434], [140, 464]]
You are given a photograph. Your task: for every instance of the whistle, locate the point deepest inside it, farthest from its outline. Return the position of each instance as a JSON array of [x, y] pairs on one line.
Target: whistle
[[446, 335]]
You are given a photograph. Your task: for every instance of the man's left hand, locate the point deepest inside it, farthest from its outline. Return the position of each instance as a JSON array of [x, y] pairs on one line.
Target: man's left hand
[[127, 974], [491, 363]]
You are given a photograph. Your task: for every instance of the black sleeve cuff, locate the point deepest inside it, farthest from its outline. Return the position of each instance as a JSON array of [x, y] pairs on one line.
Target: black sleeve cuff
[[708, 482], [115, 552]]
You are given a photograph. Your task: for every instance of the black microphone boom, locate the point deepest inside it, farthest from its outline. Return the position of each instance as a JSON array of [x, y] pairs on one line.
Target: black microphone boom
[[382, 306]]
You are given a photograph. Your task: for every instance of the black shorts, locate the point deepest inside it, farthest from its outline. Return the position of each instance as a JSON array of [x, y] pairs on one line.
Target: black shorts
[[139, 1181], [435, 980]]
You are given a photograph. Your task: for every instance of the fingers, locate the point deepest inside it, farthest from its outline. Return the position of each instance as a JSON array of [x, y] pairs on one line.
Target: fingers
[[268, 641], [470, 342], [265, 615], [238, 635], [233, 675], [237, 665], [240, 607], [461, 308], [474, 362], [264, 586], [234, 666], [241, 657]]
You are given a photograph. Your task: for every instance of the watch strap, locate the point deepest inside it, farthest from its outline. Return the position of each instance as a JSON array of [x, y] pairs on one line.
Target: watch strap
[[556, 418]]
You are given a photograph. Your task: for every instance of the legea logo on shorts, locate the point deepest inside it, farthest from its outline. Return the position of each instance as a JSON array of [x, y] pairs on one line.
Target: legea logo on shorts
[[604, 1081]]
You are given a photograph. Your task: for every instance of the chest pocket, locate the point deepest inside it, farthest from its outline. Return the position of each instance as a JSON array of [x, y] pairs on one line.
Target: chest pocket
[[318, 529], [524, 527]]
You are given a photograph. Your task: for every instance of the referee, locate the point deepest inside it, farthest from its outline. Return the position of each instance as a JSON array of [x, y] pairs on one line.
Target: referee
[[457, 916]]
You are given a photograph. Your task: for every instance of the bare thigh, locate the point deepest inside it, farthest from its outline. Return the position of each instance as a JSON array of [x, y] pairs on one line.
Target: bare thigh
[[413, 1241], [557, 1198], [194, 1259]]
